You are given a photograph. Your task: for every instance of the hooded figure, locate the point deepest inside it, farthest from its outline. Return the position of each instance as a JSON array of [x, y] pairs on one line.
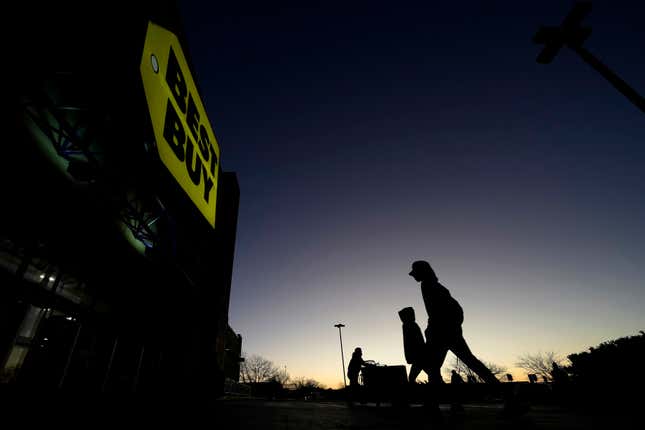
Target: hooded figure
[[414, 346]]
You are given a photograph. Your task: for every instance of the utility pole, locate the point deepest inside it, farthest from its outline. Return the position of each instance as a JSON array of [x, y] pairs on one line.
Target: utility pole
[[571, 34], [342, 355]]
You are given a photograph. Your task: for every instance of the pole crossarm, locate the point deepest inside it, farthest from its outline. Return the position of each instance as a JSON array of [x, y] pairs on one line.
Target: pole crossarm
[[572, 35]]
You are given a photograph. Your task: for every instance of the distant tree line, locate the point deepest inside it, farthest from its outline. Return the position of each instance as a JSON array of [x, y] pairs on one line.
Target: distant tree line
[[540, 364], [610, 372], [257, 370], [599, 378], [467, 374], [605, 375]]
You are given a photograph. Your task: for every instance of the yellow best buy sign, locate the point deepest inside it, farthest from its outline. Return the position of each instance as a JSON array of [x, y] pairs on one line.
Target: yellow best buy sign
[[185, 139]]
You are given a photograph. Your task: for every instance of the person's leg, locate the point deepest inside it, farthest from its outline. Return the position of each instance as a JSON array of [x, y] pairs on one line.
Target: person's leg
[[353, 391], [510, 393], [460, 348], [437, 349]]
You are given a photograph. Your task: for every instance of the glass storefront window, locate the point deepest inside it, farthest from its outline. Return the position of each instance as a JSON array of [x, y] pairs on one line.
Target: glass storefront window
[[30, 323], [13, 363]]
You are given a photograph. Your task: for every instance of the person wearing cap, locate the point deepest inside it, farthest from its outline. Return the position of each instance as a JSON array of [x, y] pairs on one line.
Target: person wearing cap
[[444, 332]]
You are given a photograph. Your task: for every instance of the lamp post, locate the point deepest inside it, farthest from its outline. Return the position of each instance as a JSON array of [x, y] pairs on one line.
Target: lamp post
[[342, 355]]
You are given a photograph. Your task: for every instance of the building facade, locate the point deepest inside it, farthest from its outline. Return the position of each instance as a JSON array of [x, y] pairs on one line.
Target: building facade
[[113, 278]]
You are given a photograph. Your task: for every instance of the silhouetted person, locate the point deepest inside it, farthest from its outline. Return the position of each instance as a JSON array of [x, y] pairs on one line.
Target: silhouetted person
[[353, 370], [445, 317], [455, 378], [355, 365], [414, 346]]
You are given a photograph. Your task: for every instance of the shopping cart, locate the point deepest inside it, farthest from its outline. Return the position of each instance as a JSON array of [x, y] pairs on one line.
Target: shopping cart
[[384, 384]]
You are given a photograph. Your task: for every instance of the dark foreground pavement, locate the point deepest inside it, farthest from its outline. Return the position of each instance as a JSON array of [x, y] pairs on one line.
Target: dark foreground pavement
[[60, 410], [283, 415]]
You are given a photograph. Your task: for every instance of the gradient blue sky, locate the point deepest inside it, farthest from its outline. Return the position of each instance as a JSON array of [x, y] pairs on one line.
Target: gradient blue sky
[[367, 136]]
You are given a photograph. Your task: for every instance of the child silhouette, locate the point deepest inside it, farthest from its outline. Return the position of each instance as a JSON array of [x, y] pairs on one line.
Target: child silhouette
[[414, 345]]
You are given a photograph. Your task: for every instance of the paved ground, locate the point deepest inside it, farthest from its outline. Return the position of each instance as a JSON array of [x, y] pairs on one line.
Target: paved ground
[[292, 415], [59, 410]]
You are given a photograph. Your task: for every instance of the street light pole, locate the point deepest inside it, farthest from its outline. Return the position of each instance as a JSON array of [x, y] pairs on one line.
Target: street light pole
[[342, 355], [573, 35]]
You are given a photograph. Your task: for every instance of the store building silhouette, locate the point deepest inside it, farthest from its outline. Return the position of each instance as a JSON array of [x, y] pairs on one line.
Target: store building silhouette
[[112, 280]]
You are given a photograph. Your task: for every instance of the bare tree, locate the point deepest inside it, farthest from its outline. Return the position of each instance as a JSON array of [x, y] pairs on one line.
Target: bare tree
[[256, 368], [495, 369], [540, 363], [301, 382], [465, 372], [281, 376], [458, 366]]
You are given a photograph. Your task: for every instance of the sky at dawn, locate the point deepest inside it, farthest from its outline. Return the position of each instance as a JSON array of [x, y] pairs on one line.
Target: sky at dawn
[[367, 135]]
